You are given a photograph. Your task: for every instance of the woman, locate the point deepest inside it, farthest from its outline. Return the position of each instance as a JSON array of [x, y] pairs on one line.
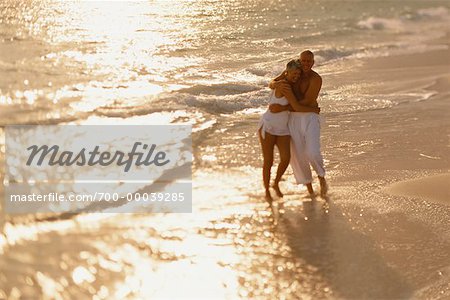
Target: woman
[[273, 128]]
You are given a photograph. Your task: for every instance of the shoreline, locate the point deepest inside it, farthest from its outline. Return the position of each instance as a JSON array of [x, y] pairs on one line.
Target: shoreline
[[433, 188], [406, 136], [365, 244]]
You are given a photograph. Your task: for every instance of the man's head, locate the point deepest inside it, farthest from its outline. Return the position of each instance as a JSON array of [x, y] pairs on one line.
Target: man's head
[[307, 60], [293, 69]]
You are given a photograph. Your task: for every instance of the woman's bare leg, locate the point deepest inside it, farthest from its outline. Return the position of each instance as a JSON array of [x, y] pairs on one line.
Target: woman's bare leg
[[284, 147], [267, 145], [310, 188]]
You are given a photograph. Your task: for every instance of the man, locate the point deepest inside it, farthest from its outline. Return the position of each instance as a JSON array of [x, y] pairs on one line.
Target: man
[[304, 127]]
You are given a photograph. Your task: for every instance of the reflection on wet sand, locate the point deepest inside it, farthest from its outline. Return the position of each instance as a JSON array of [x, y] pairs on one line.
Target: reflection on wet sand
[[344, 259], [234, 248], [310, 250]]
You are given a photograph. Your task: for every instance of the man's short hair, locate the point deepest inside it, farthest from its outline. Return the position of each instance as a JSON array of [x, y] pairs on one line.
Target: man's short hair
[[308, 52]]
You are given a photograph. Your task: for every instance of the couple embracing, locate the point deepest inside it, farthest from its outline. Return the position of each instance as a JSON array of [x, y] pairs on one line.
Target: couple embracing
[[292, 124]]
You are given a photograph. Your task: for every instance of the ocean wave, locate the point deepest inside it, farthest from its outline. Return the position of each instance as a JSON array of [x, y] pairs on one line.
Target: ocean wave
[[434, 12], [226, 103], [403, 23], [376, 23], [181, 101], [127, 112], [325, 55], [322, 34], [259, 70], [219, 89]]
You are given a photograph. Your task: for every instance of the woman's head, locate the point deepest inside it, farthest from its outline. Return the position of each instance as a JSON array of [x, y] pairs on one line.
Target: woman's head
[[293, 70]]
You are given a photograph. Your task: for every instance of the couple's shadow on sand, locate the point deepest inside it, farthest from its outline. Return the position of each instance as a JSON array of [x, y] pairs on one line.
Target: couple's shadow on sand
[[320, 235], [309, 202]]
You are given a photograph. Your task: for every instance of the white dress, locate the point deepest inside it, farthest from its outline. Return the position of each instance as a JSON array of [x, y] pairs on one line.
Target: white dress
[[275, 123]]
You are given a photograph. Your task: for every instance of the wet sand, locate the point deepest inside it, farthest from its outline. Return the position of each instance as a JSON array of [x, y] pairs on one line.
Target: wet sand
[[364, 243], [433, 188]]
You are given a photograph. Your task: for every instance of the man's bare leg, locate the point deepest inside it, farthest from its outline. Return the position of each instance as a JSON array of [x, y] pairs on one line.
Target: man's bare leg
[[310, 188], [323, 186], [269, 198]]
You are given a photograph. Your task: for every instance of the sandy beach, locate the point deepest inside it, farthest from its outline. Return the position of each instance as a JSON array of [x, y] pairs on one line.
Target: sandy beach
[[431, 188], [383, 232], [383, 235]]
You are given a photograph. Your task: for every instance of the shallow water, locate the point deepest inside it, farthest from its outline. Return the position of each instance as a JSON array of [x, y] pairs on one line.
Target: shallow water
[[207, 63], [65, 61]]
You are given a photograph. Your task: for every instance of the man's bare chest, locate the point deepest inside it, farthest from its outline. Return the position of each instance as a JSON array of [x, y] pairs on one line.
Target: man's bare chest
[[303, 85], [300, 88]]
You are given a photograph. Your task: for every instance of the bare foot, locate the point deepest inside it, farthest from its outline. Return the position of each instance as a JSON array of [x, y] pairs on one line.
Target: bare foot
[[323, 187], [312, 195], [277, 190]]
